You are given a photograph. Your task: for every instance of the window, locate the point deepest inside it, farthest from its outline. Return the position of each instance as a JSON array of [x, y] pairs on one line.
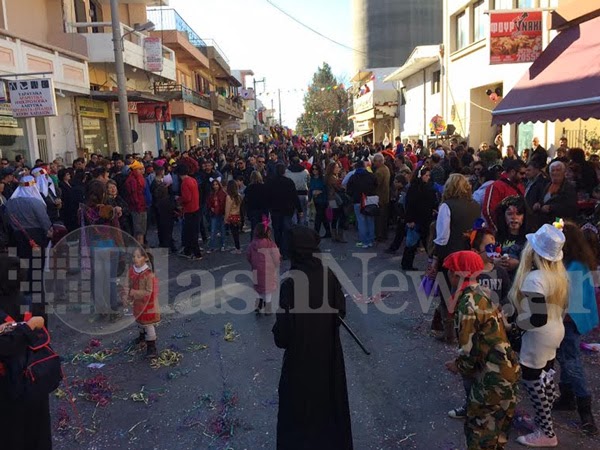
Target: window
[[462, 31], [526, 4], [504, 4], [435, 82], [478, 21]]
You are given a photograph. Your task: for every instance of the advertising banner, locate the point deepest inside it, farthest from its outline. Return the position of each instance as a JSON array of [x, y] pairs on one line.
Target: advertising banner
[[32, 98], [153, 112], [515, 37], [153, 56]]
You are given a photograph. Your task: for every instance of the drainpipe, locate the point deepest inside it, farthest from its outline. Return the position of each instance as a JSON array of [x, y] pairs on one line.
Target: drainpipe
[[424, 105]]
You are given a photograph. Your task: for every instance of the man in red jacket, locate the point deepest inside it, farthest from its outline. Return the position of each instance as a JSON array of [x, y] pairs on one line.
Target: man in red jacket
[[135, 185], [509, 184], [190, 204]]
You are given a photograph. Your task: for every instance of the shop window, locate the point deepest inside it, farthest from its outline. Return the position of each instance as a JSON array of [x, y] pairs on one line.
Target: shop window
[[462, 30], [435, 82], [13, 135], [478, 21]]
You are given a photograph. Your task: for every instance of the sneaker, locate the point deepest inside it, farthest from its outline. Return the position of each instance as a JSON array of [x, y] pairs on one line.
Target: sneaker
[[196, 257], [223, 249], [236, 252], [537, 439], [361, 245], [458, 413]]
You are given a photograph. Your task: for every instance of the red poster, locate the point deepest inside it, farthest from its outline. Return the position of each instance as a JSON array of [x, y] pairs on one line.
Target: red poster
[[153, 112], [515, 37]]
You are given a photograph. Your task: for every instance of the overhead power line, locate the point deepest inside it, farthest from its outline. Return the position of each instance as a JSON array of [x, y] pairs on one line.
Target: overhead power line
[[347, 47]]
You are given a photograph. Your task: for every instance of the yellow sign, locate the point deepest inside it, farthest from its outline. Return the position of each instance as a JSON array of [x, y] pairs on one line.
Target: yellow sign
[[92, 108], [203, 132]]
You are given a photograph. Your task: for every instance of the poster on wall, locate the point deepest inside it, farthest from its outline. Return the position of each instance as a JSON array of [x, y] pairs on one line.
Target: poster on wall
[[515, 37], [153, 56], [153, 112], [32, 98]]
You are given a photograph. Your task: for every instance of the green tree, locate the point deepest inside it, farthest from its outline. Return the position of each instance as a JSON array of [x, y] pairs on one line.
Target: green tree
[[325, 108]]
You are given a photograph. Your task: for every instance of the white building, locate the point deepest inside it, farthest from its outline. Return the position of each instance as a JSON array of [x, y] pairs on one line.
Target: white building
[[418, 82], [467, 73], [375, 106]]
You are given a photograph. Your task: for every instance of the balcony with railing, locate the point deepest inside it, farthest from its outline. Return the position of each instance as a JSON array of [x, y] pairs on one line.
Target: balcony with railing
[[185, 101], [165, 19], [179, 92], [100, 47], [226, 106]]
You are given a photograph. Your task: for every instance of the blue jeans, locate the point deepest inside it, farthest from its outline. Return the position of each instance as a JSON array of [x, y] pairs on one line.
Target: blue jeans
[[217, 225], [304, 205], [569, 358], [366, 226], [281, 225]]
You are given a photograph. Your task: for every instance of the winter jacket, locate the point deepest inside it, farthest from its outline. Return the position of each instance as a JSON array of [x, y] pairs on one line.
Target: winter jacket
[[299, 175], [318, 184], [190, 197], [495, 193], [135, 186], [264, 257], [216, 203], [420, 202], [283, 197], [383, 184], [362, 182]]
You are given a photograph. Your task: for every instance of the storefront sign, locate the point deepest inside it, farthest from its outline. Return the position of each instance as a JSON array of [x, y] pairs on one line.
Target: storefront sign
[[32, 98], [203, 132], [6, 117], [153, 112], [92, 108], [515, 37], [362, 127], [131, 107], [153, 56]]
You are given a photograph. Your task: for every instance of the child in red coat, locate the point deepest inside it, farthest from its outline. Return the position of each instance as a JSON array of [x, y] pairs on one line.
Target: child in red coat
[[141, 290], [264, 257]]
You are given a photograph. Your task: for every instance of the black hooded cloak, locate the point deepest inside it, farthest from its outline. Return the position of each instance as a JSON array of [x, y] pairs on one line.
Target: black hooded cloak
[[314, 413]]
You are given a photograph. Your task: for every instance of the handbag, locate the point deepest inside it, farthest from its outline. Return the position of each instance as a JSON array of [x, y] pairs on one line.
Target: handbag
[[329, 214], [370, 205], [36, 373], [412, 236]]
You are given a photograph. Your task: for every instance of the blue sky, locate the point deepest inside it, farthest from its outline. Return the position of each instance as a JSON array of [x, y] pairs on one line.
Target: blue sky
[[254, 35]]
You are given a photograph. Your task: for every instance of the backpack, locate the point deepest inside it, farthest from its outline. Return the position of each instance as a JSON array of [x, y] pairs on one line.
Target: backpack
[[35, 373]]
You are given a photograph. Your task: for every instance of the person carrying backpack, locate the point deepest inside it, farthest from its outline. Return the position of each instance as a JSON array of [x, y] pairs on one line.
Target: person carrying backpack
[[24, 420]]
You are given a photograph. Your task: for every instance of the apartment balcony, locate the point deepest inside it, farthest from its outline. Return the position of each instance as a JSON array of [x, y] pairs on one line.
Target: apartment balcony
[[100, 47], [226, 107], [185, 101], [20, 55]]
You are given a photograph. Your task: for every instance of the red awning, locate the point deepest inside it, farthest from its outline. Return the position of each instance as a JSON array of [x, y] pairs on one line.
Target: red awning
[[563, 83]]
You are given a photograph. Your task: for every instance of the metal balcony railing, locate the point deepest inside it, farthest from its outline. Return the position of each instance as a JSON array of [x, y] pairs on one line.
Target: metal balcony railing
[[169, 19], [179, 92]]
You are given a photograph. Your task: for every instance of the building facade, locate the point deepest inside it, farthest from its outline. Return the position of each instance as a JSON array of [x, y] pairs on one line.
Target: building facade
[[418, 82], [374, 106], [205, 78], [385, 32], [467, 74]]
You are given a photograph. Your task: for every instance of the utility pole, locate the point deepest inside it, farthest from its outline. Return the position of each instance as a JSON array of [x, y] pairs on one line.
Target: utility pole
[[256, 107], [279, 95], [124, 127]]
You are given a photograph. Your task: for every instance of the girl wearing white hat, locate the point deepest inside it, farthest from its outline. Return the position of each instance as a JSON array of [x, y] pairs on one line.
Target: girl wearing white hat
[[540, 294]]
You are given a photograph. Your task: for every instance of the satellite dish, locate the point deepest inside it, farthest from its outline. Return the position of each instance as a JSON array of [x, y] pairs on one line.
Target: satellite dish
[[134, 136]]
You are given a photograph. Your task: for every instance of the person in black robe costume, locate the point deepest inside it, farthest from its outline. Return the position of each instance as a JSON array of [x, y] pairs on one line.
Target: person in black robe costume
[[314, 413], [24, 422]]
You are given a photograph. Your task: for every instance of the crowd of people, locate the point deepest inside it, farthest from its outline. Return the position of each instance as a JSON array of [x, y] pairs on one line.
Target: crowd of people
[[500, 231]]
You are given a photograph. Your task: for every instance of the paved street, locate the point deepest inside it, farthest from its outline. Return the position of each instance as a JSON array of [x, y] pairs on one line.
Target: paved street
[[399, 395]]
